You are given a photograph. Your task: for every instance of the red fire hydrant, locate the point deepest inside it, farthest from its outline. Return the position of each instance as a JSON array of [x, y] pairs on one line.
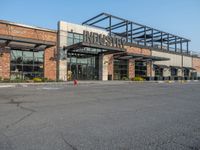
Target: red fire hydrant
[[75, 82]]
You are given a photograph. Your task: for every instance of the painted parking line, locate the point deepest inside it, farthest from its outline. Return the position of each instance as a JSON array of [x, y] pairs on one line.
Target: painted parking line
[[48, 88], [7, 86]]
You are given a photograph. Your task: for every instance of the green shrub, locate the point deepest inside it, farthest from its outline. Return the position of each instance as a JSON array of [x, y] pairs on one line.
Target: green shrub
[[6, 80], [37, 79], [60, 80], [44, 79], [137, 79], [0, 78], [50, 80], [125, 78]]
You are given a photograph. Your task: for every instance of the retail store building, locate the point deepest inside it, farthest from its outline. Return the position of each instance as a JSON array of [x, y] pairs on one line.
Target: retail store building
[[104, 47]]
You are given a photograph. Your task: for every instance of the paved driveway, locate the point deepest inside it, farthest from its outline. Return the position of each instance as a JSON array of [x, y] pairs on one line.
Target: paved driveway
[[138, 116]]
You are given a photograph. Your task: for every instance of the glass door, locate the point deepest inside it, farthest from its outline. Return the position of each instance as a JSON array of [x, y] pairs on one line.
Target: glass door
[[82, 68]]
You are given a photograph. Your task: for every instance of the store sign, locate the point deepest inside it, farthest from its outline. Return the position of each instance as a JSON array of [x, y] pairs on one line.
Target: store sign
[[104, 40]]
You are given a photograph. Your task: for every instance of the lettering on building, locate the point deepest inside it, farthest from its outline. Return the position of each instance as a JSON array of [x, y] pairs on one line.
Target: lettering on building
[[104, 40]]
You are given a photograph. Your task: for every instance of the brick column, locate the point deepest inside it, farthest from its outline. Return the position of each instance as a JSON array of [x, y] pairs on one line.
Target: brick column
[[5, 64], [110, 65], [149, 69], [131, 68], [50, 65]]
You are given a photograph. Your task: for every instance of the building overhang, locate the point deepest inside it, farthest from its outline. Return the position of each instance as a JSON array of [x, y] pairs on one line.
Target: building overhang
[[156, 66], [176, 67], [188, 68], [13, 42], [85, 48], [141, 57]]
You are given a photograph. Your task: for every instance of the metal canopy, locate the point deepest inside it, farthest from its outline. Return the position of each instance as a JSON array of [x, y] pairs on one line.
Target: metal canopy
[[176, 67], [93, 49], [160, 66], [139, 57], [140, 34], [188, 68], [24, 43]]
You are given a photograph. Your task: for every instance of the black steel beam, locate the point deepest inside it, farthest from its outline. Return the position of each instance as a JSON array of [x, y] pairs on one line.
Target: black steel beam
[[177, 42], [127, 31], [119, 26], [152, 38], [115, 25], [145, 37], [166, 38], [131, 32], [181, 46], [98, 20], [141, 32], [161, 40], [85, 22], [134, 29], [110, 24], [168, 42], [175, 45]]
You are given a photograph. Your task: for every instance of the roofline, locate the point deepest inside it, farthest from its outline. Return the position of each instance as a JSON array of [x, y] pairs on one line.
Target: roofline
[[27, 26]]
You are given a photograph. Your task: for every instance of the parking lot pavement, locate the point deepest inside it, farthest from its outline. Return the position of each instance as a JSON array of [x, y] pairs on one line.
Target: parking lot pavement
[[101, 117]]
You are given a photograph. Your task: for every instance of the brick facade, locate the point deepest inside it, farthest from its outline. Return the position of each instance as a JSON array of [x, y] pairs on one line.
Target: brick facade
[[24, 32], [131, 68], [110, 65], [196, 63], [136, 50], [50, 63], [33, 33], [5, 64], [149, 69]]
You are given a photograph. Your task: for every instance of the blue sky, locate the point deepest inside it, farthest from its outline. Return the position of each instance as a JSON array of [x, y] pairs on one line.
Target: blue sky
[[180, 17]]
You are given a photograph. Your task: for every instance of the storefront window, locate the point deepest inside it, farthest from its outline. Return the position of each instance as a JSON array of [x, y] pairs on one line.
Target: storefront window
[[82, 67], [26, 64], [73, 38], [158, 72], [140, 69], [174, 71], [186, 72], [120, 69]]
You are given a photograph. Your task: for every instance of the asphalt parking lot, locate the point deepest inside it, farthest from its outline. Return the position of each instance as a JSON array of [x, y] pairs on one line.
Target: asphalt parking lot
[[128, 116]]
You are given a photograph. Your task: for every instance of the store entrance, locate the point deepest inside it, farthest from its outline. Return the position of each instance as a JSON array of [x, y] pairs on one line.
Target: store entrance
[[82, 67]]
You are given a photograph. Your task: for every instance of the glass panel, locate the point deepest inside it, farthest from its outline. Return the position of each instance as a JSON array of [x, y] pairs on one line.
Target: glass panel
[[120, 69], [73, 38], [173, 72], [26, 64], [82, 67], [69, 41], [140, 69], [39, 54]]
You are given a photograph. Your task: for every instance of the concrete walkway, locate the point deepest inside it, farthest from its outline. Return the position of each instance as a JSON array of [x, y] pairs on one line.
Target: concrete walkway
[[70, 83]]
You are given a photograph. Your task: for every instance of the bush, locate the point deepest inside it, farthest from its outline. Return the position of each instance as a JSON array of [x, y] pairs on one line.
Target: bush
[[6, 80], [50, 80], [44, 79], [0, 78], [17, 80], [37, 79], [137, 79], [125, 78]]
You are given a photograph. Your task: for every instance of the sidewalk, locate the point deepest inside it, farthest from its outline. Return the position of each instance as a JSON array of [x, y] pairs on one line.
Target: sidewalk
[[115, 82]]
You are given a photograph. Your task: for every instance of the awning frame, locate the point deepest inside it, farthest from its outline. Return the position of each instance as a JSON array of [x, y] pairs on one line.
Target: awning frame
[[37, 43], [140, 57], [81, 45]]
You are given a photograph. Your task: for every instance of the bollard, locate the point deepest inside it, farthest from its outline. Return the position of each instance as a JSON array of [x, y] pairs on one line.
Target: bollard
[[75, 82]]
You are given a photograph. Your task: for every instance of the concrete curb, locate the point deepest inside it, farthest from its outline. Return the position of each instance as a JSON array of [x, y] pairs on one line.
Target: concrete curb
[[11, 85]]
